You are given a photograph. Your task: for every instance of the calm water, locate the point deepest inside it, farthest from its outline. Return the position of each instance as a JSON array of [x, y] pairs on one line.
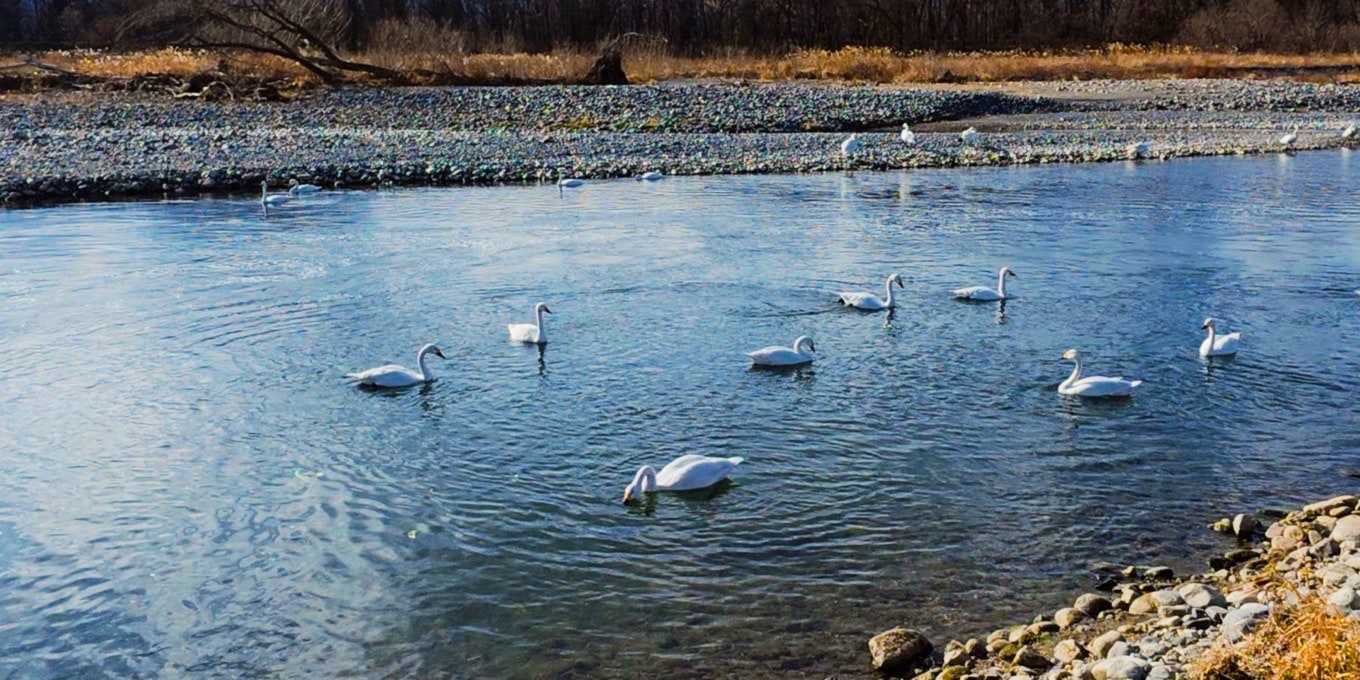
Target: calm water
[[189, 488]]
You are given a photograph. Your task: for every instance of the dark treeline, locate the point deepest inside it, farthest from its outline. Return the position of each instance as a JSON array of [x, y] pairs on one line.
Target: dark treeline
[[691, 27]]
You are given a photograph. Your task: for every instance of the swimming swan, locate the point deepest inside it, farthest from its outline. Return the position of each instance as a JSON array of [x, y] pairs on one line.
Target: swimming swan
[[531, 332], [1094, 386], [685, 473], [303, 189], [568, 183], [775, 355], [870, 301], [393, 375], [1215, 345], [650, 176], [984, 293], [269, 200]]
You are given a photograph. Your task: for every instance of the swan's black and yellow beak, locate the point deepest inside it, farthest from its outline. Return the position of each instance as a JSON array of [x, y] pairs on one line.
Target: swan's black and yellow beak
[[546, 310], [627, 496]]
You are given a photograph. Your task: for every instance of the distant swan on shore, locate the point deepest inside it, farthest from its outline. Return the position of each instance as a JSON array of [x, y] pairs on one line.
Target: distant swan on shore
[[1137, 149], [1094, 386], [1290, 137], [969, 135], [1349, 132], [850, 145], [907, 136]]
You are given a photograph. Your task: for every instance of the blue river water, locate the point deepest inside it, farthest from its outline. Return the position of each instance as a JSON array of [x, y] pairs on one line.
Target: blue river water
[[189, 488]]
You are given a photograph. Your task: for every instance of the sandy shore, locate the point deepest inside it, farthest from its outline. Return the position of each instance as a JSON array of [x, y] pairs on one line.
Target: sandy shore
[[108, 146]]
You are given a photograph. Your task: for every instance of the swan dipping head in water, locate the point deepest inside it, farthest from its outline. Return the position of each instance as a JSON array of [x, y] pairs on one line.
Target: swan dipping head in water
[[685, 473]]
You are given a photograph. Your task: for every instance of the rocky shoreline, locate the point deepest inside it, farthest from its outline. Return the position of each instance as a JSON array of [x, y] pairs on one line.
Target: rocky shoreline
[[1149, 624], [106, 146]]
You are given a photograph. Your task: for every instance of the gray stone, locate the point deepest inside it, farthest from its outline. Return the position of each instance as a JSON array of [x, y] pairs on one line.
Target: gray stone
[[1067, 651], [1289, 538], [1159, 574], [1119, 648], [1200, 595], [895, 650], [1242, 620], [1347, 529], [1067, 617], [1092, 605], [1243, 526], [1037, 630], [1148, 603], [1344, 599], [1121, 668], [1336, 574], [1159, 672], [1322, 507], [1028, 657], [1102, 643], [1216, 613]]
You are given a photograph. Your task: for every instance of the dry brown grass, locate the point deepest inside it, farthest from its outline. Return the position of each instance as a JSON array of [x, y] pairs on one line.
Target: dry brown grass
[[1307, 642], [440, 54]]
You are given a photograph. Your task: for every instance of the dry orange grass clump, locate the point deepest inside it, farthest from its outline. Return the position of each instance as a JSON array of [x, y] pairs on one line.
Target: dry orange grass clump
[[1307, 642]]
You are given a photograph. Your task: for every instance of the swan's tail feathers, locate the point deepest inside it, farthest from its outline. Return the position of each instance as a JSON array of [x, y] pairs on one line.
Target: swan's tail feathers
[[735, 460], [1135, 383]]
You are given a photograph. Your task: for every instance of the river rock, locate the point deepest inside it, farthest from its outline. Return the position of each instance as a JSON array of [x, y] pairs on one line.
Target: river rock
[[952, 673], [1102, 643], [1092, 605], [1347, 529], [1244, 526], [896, 650], [1068, 617], [1067, 651], [1344, 599], [1121, 668], [1322, 507], [1149, 602], [1242, 620], [1159, 574], [1200, 596], [1028, 657], [1288, 538]]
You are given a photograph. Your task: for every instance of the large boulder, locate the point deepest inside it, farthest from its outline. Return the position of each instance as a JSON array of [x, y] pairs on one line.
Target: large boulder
[[1102, 644], [1242, 620], [896, 650], [1347, 529], [1092, 605]]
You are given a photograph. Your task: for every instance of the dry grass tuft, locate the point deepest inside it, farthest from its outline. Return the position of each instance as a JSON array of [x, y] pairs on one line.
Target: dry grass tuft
[[429, 49], [1307, 642]]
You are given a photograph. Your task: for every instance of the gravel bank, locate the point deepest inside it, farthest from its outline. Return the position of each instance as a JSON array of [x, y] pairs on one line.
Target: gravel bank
[[1148, 624], [106, 146]]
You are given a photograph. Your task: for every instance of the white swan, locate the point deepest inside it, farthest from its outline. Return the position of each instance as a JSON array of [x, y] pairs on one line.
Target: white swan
[[269, 200], [1349, 132], [1290, 137], [776, 355], [969, 135], [568, 183], [650, 176], [393, 375], [907, 136], [1094, 386], [531, 332], [984, 293], [682, 474], [303, 189], [850, 145], [1215, 345], [1137, 149], [870, 301]]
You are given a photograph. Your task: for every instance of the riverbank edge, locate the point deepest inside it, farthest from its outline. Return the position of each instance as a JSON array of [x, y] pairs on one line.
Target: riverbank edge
[[1146, 623]]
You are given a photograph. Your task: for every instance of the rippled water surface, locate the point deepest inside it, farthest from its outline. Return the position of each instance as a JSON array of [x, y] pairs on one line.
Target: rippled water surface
[[189, 487]]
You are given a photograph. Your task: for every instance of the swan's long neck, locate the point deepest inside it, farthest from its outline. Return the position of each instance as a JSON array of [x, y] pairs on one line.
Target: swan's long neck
[[421, 358], [889, 297], [1001, 283], [538, 321], [644, 480], [799, 344], [1076, 374], [1212, 335]]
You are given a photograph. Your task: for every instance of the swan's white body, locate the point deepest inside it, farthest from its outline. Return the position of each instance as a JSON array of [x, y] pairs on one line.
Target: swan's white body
[[393, 375], [1094, 386], [531, 332], [869, 301], [1137, 149], [907, 136], [1215, 345], [272, 200], [1290, 137], [303, 189], [650, 176], [850, 145], [984, 293], [968, 135], [570, 182], [685, 473], [776, 355], [1349, 132]]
